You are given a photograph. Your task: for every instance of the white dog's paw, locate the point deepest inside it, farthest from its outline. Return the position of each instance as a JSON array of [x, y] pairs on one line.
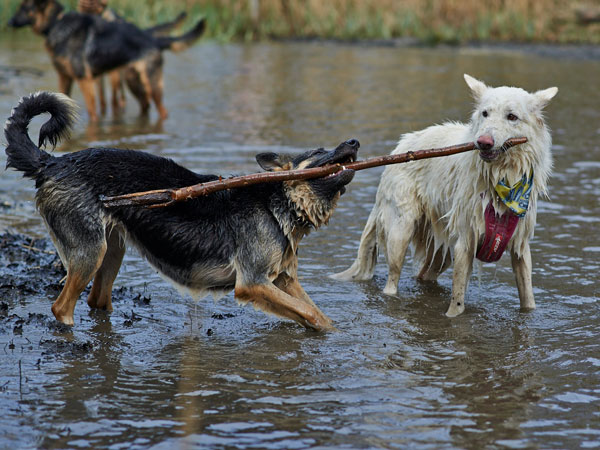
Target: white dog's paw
[[390, 290], [455, 309]]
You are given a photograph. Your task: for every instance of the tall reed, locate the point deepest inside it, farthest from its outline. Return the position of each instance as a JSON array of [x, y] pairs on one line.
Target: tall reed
[[432, 21]]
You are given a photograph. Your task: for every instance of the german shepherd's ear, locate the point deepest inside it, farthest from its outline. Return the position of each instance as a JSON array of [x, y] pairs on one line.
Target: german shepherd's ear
[[273, 161]]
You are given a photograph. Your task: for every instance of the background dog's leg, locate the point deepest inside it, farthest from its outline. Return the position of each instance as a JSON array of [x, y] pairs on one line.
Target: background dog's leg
[[87, 89], [134, 83], [80, 271], [145, 86], [117, 91], [522, 269], [399, 235], [157, 93], [65, 83], [100, 295], [270, 299], [101, 96], [463, 266]]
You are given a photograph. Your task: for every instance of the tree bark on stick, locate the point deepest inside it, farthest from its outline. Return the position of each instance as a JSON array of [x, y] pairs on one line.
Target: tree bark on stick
[[164, 197]]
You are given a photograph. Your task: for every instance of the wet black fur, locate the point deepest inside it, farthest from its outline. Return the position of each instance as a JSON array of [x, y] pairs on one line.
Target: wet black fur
[[88, 40], [23, 154], [244, 226]]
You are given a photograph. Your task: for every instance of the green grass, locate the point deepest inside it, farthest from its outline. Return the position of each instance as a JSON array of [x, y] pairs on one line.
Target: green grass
[[431, 21]]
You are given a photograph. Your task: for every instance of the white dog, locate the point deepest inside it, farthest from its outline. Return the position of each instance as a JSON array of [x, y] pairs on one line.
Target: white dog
[[472, 204]]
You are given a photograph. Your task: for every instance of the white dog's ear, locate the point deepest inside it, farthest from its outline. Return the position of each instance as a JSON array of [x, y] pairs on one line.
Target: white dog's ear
[[543, 97], [477, 87]]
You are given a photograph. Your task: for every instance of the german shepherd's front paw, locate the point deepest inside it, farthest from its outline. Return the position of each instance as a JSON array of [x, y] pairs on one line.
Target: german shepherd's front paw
[[63, 317], [320, 322]]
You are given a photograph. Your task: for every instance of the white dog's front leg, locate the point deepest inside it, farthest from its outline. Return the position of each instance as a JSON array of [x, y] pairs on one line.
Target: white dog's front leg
[[522, 269], [463, 265]]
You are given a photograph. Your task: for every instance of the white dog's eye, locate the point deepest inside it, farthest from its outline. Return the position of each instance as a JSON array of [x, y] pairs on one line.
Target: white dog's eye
[[484, 114], [512, 117]]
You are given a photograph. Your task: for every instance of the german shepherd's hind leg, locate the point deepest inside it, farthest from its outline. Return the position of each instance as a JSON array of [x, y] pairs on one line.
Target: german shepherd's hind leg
[[145, 87], [101, 95], [153, 68], [65, 83], [522, 269], [87, 86], [100, 295], [157, 94], [267, 297], [117, 91], [134, 83], [82, 263]]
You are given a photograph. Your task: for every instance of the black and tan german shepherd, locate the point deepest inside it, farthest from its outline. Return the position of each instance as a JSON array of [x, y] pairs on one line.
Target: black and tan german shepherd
[[244, 239], [83, 47], [117, 76]]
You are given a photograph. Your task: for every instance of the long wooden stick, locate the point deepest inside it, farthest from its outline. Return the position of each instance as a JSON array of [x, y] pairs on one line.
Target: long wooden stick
[[165, 197]]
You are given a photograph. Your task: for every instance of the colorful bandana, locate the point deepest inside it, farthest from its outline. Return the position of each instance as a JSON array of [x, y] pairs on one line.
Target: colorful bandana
[[499, 229], [516, 198]]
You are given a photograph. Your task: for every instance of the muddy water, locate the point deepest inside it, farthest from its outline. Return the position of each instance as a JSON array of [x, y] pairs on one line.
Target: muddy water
[[163, 372]]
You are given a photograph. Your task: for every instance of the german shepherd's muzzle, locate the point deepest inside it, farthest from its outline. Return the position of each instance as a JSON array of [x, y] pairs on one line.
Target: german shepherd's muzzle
[[244, 239]]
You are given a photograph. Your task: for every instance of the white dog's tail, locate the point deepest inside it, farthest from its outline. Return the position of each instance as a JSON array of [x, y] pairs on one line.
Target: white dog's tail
[[364, 265]]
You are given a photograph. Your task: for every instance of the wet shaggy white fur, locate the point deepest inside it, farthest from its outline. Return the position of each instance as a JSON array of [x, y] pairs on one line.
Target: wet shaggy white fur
[[437, 205]]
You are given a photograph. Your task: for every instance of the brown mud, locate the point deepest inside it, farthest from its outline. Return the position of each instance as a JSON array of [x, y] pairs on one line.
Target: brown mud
[[31, 269]]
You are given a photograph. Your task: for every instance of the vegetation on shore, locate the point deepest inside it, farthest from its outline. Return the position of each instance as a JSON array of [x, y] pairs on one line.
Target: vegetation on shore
[[429, 21]]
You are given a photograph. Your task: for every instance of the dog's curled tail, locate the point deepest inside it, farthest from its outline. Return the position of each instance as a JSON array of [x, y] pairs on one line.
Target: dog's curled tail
[[364, 265], [179, 43], [22, 154]]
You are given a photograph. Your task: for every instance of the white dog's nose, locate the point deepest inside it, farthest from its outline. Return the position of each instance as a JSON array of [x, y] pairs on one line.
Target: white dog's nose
[[485, 142]]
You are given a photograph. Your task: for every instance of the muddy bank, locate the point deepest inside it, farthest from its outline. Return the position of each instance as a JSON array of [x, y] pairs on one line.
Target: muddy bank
[[31, 273]]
